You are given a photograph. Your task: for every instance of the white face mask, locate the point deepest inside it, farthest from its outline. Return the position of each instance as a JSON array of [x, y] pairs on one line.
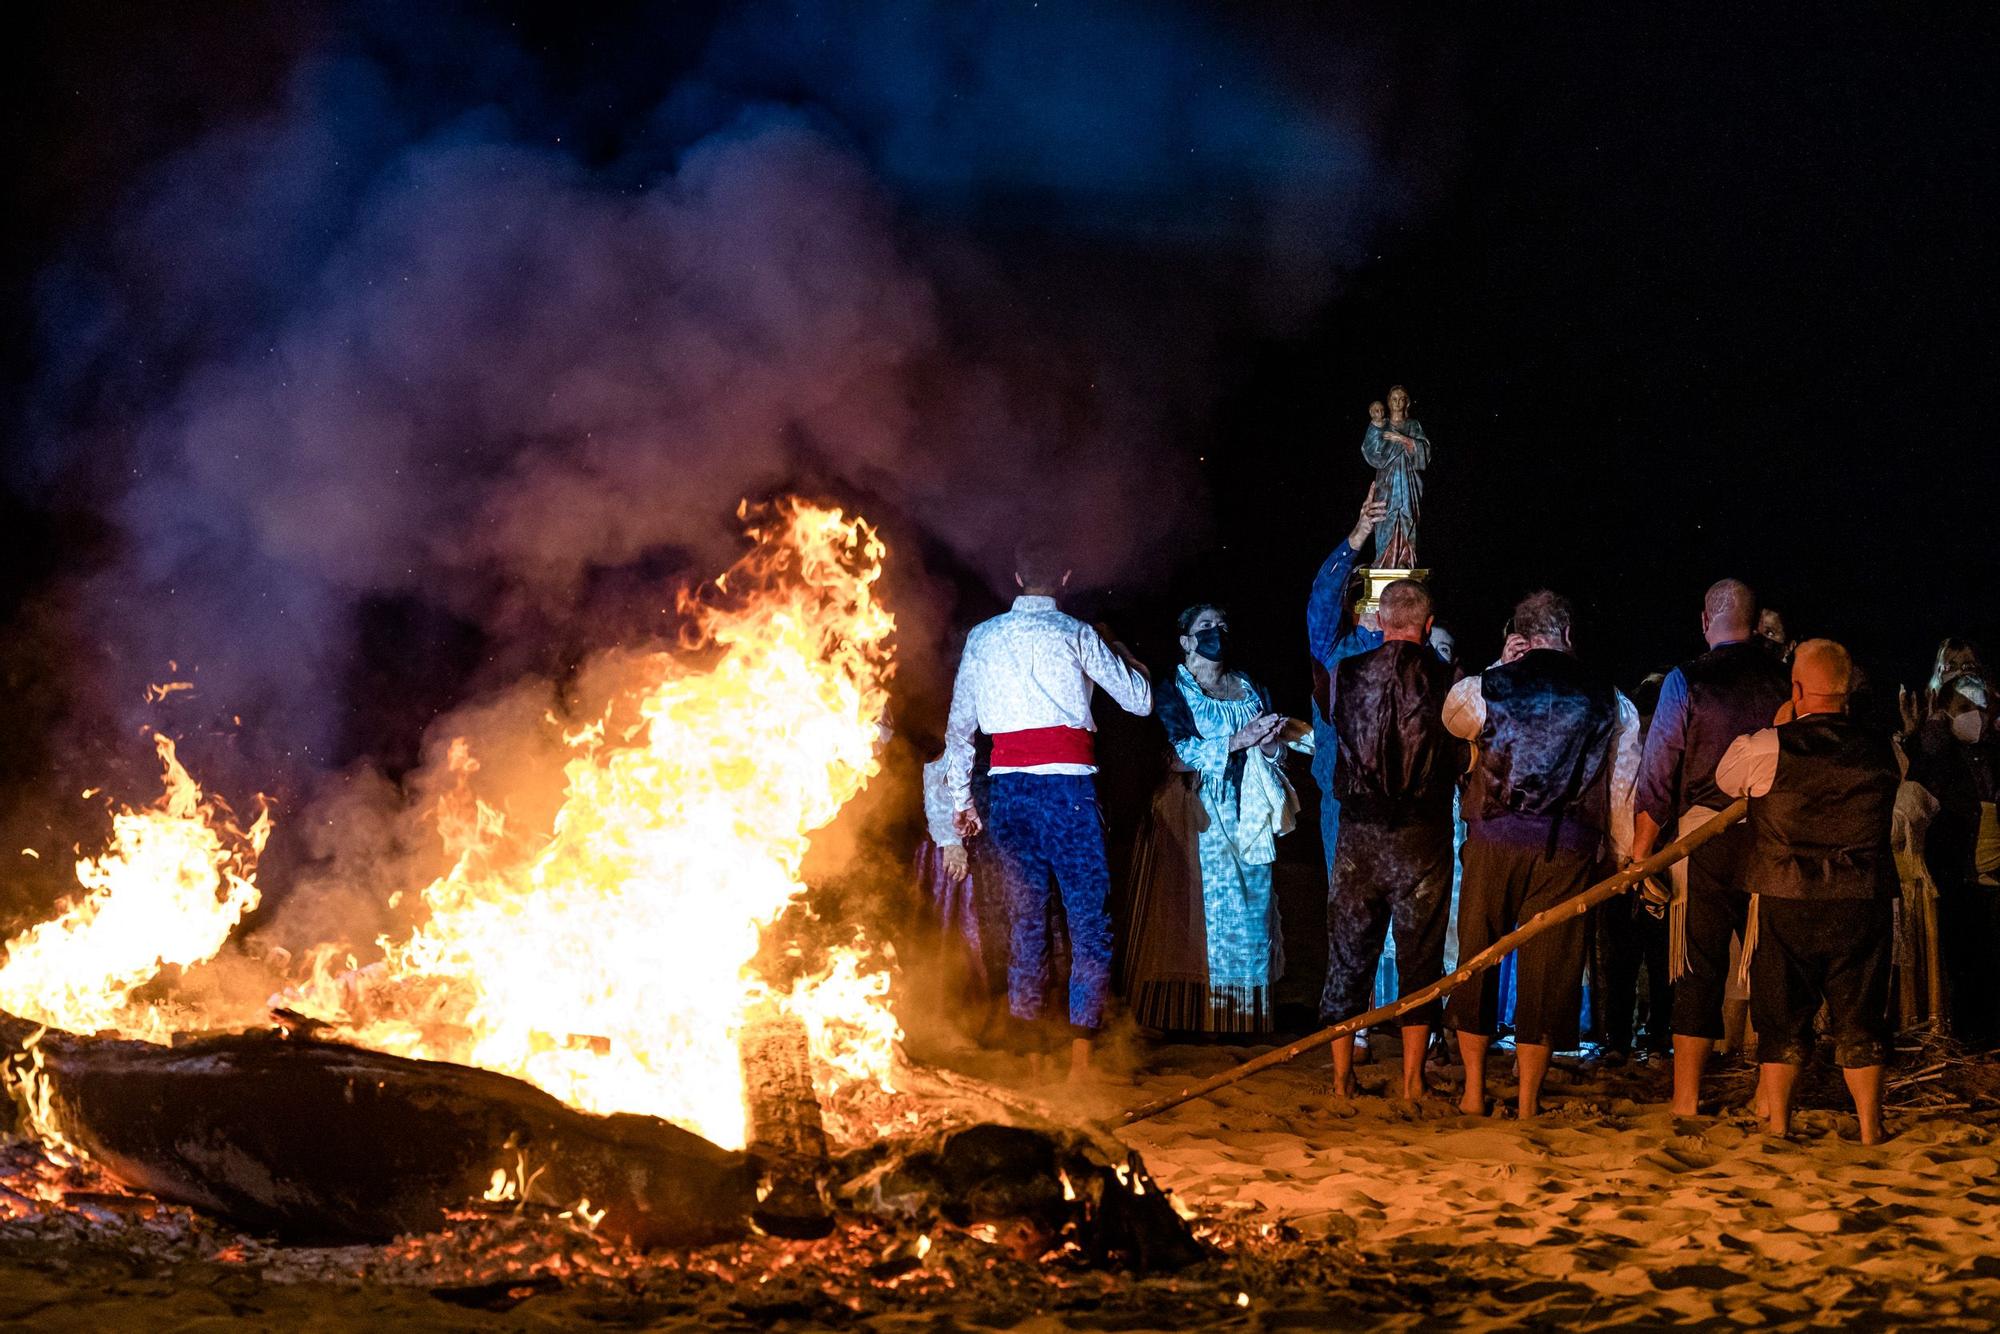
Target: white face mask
[[1969, 726]]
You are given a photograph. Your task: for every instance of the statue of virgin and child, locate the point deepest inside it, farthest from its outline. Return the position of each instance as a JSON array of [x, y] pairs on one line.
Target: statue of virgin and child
[[1399, 451]]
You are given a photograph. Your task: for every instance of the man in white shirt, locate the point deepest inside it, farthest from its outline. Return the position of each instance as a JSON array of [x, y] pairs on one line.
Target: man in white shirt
[[1822, 791], [1026, 681], [1558, 752]]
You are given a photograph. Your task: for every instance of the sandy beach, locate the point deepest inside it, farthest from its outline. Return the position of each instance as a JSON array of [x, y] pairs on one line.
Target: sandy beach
[[1605, 1213]]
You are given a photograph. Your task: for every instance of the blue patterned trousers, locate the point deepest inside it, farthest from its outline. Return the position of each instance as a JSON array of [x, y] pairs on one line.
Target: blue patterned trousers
[[1047, 825]]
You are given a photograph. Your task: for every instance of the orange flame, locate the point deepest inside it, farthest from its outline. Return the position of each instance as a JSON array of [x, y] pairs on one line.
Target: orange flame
[[608, 963], [175, 881]]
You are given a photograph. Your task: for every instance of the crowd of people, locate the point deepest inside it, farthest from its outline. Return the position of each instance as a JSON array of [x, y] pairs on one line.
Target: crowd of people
[[1859, 890]]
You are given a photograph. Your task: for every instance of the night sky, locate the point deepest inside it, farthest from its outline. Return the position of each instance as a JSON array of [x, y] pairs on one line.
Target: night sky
[[1677, 296], [1702, 298]]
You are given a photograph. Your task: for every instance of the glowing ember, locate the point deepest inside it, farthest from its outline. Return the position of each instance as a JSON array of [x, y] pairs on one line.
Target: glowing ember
[[607, 963], [168, 891]]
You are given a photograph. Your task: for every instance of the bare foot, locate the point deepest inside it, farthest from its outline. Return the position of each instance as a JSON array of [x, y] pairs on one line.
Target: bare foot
[[1684, 1107], [1416, 1092], [1079, 1061], [1345, 1089], [1473, 1103]]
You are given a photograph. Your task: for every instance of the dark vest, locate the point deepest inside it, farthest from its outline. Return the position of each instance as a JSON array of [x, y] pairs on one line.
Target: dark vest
[[1396, 761], [1545, 751], [1822, 830], [1733, 691]]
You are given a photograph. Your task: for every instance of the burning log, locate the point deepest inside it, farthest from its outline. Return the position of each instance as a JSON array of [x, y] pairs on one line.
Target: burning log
[[320, 1141], [1047, 1186], [786, 1132]]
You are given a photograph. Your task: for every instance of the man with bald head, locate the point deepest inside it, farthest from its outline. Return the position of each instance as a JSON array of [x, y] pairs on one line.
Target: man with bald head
[[1822, 788], [1393, 774], [1735, 688]]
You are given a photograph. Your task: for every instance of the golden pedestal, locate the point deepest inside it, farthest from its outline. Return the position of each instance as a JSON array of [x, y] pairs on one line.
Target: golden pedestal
[[1377, 580]]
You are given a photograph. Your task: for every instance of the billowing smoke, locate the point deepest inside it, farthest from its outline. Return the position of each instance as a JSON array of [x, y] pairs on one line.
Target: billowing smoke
[[421, 382]]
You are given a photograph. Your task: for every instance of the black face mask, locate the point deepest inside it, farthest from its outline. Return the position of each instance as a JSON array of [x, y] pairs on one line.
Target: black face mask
[[1210, 643]]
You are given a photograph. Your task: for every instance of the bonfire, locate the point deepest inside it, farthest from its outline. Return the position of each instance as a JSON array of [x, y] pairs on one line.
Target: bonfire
[[577, 1026]]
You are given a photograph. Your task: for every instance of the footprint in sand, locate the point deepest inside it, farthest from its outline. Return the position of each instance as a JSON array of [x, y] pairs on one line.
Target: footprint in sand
[[1710, 1277], [1679, 1157], [1820, 1222]]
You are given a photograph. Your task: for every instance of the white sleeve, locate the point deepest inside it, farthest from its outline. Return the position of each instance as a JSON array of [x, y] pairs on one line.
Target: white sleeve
[[959, 728], [1625, 754], [1465, 710], [937, 805], [1749, 765], [1120, 680]]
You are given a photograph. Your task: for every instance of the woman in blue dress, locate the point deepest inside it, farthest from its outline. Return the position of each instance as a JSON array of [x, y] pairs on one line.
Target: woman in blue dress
[[1205, 947]]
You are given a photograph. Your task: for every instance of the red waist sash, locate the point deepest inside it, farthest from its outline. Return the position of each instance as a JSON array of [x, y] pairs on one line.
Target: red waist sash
[[1044, 745]]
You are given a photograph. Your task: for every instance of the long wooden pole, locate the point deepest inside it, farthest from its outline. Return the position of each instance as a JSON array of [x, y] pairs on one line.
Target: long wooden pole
[[1479, 963]]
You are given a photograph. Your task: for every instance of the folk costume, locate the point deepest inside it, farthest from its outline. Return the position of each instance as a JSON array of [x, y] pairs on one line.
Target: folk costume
[[968, 911], [1026, 680], [1822, 795], [1394, 776], [1206, 945], [1732, 690], [1558, 752]]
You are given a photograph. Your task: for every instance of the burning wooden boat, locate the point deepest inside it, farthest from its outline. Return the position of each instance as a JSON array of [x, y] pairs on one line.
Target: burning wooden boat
[[318, 1141], [322, 1141]]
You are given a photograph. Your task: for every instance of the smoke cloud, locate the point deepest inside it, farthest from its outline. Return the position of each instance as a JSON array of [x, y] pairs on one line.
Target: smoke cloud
[[427, 379]]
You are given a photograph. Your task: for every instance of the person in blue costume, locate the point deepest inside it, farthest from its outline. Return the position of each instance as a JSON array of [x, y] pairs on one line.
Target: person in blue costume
[[1332, 634], [1205, 946]]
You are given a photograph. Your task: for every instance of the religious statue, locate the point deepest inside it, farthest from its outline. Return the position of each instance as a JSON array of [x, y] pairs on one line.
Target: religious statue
[[1399, 451]]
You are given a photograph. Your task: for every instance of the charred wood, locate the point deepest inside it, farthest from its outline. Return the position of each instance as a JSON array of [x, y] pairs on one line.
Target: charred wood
[[786, 1133], [1044, 1187], [320, 1141]]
